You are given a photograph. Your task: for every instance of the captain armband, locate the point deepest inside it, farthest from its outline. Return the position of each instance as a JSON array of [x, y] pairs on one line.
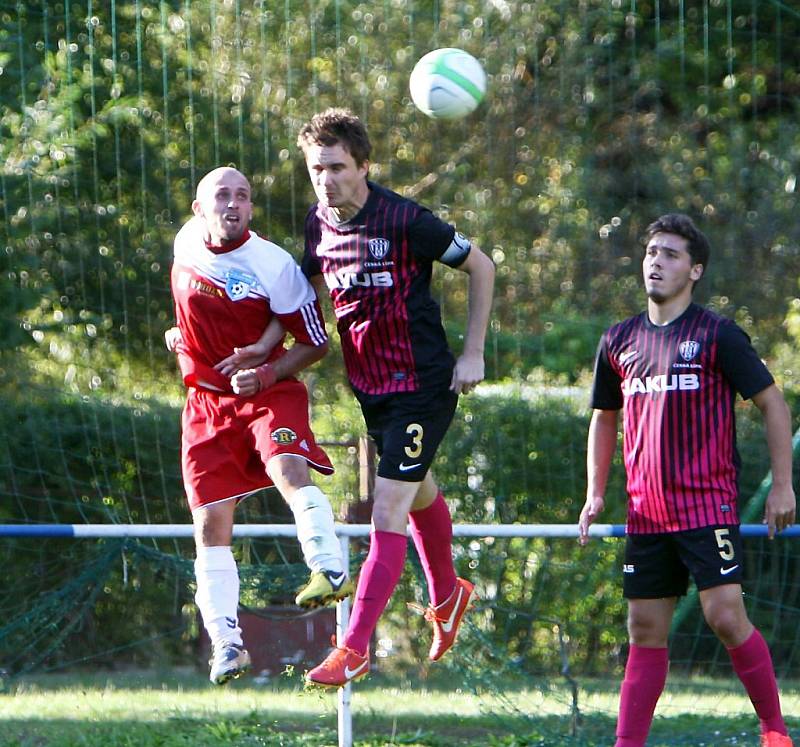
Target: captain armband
[[457, 252]]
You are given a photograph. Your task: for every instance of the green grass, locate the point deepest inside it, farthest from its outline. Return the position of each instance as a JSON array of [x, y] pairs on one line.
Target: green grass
[[182, 709]]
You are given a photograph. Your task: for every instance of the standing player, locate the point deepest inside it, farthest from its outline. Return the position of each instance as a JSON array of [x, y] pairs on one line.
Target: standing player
[[674, 371], [375, 252], [250, 430]]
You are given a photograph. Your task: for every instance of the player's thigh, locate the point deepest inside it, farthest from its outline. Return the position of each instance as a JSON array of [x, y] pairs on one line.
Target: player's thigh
[[652, 568], [412, 427]]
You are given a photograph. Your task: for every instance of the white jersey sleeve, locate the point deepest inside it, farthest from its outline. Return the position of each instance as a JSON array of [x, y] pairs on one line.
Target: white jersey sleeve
[[291, 289]]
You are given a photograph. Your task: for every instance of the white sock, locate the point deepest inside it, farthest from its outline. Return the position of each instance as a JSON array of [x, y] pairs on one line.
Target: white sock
[[217, 594], [313, 517]]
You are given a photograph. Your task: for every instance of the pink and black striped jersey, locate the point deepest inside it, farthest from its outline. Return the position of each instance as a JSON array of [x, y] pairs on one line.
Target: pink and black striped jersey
[[676, 386], [226, 297], [377, 267]]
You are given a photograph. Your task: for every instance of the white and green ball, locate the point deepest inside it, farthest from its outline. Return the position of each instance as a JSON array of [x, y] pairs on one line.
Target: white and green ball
[[447, 83]]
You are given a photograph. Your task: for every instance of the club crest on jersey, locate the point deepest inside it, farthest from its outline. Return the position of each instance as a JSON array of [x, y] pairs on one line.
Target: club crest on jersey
[[238, 284], [283, 436], [689, 349], [378, 248]]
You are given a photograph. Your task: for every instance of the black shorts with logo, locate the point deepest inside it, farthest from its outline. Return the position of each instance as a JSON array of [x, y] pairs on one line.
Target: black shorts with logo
[[659, 565], [407, 428]]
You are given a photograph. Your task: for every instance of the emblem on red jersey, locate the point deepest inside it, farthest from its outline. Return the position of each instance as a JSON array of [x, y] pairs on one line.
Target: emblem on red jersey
[[238, 284], [689, 349], [284, 436], [378, 248]]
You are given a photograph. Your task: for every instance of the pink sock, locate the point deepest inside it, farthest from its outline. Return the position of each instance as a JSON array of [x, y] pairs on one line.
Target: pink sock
[[753, 664], [432, 532], [379, 575], [645, 676]]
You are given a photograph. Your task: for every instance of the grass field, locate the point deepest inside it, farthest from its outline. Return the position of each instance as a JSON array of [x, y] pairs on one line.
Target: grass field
[[182, 709]]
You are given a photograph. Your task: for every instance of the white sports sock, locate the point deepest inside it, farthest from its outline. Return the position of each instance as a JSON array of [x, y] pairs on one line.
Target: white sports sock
[[313, 517], [217, 594]]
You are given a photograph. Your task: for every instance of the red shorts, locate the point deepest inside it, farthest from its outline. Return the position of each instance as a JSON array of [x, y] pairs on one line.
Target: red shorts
[[227, 440]]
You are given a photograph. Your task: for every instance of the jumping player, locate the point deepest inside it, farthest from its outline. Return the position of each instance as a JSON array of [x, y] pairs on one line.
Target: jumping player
[[374, 251], [674, 371], [248, 430]]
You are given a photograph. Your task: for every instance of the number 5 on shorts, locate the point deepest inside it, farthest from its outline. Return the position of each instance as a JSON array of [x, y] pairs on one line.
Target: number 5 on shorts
[[414, 430], [726, 551]]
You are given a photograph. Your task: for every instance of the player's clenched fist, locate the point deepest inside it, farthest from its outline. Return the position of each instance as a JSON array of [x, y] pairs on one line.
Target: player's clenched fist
[[172, 338], [248, 382]]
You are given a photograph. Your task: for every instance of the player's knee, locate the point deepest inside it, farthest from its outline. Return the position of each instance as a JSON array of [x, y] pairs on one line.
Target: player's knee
[[389, 517], [211, 533], [728, 624], [645, 631], [289, 473]]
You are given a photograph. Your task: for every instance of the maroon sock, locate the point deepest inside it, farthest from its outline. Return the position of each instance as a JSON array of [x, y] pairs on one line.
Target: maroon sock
[[753, 664], [376, 581], [645, 676], [432, 532]]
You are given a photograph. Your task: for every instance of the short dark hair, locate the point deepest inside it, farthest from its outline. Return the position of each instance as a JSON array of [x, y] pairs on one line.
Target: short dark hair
[[337, 126], [682, 225]]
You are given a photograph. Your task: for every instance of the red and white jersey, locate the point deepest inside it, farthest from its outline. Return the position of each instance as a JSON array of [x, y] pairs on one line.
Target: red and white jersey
[[226, 296]]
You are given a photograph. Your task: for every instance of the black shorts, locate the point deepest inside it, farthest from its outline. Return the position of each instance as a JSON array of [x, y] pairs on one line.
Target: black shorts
[[658, 565], [407, 429]]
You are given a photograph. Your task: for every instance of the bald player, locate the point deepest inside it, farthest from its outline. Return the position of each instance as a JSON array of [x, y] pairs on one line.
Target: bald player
[[245, 426]]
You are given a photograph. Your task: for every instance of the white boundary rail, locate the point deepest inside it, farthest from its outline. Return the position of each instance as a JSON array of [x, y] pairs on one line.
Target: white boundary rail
[[345, 532]]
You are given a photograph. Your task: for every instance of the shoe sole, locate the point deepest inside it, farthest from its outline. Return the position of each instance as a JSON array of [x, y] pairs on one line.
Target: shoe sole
[[324, 601], [232, 675], [328, 685]]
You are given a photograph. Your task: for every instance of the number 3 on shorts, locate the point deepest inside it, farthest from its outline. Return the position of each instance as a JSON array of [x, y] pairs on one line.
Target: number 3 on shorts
[[726, 551], [414, 430]]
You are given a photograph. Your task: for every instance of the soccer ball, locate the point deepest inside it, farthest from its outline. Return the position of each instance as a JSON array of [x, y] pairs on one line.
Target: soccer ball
[[447, 83]]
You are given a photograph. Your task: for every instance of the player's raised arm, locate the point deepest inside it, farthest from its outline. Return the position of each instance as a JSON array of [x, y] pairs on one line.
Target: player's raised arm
[[469, 369], [602, 442], [779, 511]]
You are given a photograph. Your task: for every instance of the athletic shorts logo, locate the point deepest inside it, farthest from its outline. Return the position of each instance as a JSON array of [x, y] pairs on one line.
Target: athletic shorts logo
[[378, 248], [725, 571], [689, 349], [403, 467], [284, 436], [238, 284]]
